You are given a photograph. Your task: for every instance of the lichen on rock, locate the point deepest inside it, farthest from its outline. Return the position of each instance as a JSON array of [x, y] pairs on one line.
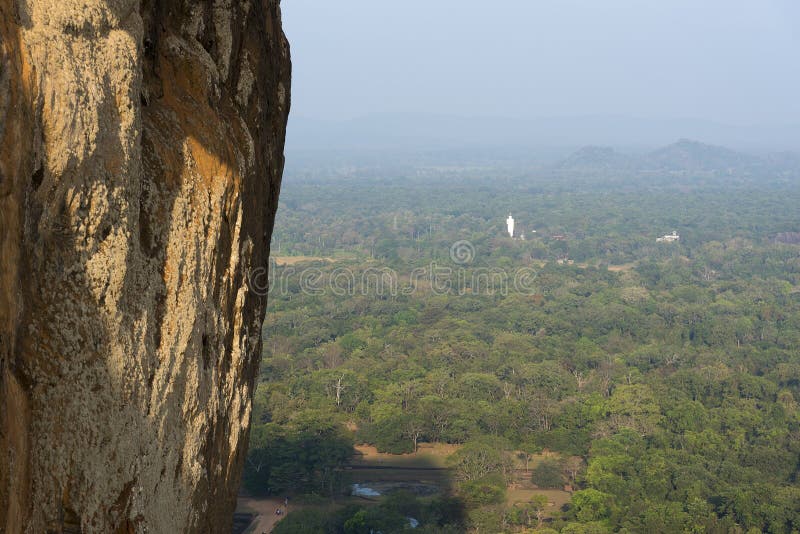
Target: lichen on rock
[[141, 151]]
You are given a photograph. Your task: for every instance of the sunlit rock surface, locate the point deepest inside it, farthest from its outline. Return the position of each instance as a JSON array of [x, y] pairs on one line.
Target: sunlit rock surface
[[140, 160]]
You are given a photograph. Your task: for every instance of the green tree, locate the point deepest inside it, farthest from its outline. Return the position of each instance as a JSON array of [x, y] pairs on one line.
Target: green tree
[[591, 505], [479, 458]]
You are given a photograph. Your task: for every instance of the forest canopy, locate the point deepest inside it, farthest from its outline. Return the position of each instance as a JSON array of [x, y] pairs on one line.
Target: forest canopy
[[655, 383]]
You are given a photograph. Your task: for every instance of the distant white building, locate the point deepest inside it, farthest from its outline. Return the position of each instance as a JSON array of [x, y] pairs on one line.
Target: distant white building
[[668, 238], [510, 224]]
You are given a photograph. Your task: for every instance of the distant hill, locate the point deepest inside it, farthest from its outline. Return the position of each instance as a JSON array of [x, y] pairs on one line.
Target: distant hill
[[596, 158], [682, 156], [687, 155]]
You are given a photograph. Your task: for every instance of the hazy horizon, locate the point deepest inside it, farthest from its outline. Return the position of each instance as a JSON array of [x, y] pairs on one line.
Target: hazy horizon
[[432, 131], [725, 62]]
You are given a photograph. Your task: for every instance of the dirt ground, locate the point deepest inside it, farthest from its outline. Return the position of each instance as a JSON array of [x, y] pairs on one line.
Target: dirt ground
[[429, 455], [555, 498], [625, 267], [294, 260], [264, 509]]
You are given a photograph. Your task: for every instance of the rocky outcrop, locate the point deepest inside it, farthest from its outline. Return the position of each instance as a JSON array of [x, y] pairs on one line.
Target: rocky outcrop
[[140, 160]]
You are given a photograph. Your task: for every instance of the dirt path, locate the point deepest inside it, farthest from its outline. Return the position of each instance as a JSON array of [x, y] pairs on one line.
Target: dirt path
[[265, 519]]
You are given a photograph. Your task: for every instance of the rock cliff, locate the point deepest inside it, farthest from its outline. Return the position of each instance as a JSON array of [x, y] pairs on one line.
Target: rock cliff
[[141, 151]]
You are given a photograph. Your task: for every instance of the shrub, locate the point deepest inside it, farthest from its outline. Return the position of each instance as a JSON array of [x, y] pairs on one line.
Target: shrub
[[547, 474]]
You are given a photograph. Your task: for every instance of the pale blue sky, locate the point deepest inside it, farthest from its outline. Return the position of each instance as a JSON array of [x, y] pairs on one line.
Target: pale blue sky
[[732, 61]]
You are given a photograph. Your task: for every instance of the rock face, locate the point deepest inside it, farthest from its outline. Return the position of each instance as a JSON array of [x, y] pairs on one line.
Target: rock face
[[141, 151]]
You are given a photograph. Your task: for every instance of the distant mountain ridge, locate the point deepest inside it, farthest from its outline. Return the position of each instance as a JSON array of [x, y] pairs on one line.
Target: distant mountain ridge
[[420, 131], [683, 155], [688, 155]]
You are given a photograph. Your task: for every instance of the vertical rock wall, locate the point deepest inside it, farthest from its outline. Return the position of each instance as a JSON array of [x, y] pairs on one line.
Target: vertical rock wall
[[141, 151]]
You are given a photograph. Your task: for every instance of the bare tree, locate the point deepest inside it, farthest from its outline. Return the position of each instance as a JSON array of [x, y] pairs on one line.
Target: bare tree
[[413, 429], [572, 467], [339, 388], [579, 379]]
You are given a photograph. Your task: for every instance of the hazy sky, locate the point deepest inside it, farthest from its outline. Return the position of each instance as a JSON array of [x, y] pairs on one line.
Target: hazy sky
[[732, 61]]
